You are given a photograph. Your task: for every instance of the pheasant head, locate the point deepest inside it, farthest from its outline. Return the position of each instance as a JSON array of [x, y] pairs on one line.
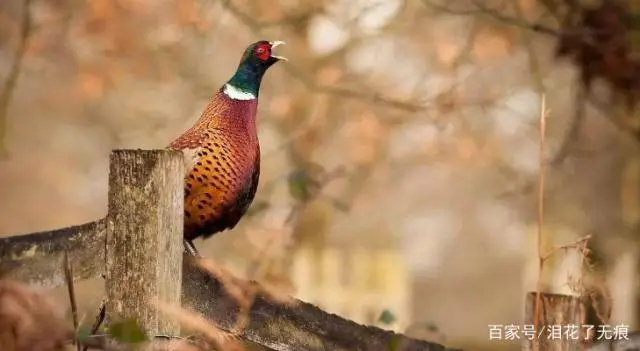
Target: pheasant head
[[255, 61]]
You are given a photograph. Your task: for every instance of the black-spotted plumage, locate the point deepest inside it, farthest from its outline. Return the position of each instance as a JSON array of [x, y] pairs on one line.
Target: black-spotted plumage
[[223, 152]]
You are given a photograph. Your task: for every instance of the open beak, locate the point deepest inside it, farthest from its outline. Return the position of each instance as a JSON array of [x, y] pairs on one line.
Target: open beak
[[275, 44]]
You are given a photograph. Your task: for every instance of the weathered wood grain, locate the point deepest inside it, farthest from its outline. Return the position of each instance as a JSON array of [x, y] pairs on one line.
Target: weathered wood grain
[[37, 258], [556, 311], [144, 236], [303, 327]]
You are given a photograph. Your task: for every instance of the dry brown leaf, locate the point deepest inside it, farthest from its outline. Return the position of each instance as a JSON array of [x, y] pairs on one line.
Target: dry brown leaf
[[278, 288], [491, 44], [195, 323], [30, 320], [237, 288]]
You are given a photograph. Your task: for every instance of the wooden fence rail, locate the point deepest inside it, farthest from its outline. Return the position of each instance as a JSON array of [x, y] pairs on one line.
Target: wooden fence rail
[[138, 249]]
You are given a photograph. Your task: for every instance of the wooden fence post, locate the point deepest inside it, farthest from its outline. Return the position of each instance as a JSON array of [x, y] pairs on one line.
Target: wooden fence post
[[558, 313], [144, 236]]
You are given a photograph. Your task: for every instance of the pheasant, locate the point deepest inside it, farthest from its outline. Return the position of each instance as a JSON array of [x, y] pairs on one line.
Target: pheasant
[[222, 150]]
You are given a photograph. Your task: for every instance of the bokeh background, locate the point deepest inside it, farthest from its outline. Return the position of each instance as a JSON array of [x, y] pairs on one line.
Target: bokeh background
[[400, 145]]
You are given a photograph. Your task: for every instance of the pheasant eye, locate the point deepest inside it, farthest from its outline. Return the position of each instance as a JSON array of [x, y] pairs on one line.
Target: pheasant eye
[[262, 52]]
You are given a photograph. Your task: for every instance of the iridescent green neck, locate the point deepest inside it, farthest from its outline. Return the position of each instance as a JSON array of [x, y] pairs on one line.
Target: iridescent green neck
[[247, 79]]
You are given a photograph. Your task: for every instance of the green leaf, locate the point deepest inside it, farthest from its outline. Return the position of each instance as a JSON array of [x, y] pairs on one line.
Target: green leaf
[[83, 333], [127, 331], [299, 182], [387, 317]]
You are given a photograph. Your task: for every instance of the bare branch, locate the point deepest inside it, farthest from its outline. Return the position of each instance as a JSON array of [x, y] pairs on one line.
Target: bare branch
[[540, 219], [256, 25], [68, 272], [482, 9], [98, 321]]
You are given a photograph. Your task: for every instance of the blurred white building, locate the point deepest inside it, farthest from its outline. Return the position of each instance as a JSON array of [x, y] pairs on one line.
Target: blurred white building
[[357, 283]]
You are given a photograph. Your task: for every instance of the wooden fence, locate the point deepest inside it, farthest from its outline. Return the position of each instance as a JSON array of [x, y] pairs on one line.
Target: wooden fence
[[138, 248]]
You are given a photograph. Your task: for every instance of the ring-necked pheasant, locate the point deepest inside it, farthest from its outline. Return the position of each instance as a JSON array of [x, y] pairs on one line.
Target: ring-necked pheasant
[[223, 152]]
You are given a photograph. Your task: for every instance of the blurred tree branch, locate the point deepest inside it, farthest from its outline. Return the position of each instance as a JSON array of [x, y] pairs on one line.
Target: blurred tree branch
[[12, 78], [481, 9], [574, 124], [580, 33], [291, 19], [573, 130], [310, 83]]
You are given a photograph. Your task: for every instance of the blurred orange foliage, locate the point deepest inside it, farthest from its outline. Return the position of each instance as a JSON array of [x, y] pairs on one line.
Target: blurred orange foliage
[[492, 43]]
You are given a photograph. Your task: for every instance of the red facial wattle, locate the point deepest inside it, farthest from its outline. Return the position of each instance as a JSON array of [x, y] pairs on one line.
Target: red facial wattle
[[263, 52]]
